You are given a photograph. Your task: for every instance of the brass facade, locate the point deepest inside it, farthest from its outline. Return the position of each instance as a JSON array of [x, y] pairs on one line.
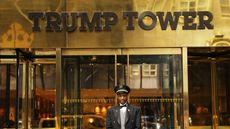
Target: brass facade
[[16, 27], [16, 32]]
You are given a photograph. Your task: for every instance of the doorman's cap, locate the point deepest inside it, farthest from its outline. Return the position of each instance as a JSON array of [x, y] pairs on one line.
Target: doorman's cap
[[122, 88]]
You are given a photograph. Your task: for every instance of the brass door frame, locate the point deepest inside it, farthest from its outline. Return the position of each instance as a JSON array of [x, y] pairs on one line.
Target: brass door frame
[[28, 84], [185, 87]]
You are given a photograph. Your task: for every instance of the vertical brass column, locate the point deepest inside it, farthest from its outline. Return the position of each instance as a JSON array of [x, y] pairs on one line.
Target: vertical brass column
[[115, 68], [128, 73], [58, 99], [214, 94], [17, 89], [185, 87], [31, 76], [115, 72], [128, 70], [25, 90]]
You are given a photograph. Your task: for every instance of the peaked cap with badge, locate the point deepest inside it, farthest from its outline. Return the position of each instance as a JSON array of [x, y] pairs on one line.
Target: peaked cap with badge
[[115, 118], [122, 88]]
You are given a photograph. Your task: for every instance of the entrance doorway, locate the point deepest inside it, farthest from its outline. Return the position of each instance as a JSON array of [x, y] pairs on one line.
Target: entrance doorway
[[89, 76], [209, 87], [73, 88]]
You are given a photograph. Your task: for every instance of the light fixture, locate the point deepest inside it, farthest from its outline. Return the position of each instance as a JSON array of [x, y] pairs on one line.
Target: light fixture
[[97, 110], [90, 120], [103, 110]]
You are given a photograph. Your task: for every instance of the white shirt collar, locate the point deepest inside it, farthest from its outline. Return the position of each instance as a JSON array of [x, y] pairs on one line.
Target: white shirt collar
[[124, 104]]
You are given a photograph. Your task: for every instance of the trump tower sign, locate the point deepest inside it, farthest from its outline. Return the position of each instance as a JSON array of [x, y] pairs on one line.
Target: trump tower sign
[[104, 21]]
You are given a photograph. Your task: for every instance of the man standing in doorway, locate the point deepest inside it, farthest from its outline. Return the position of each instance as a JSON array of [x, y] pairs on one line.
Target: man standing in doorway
[[123, 115]]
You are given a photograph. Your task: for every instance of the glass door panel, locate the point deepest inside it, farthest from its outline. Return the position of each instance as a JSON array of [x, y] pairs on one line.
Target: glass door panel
[[200, 102], [88, 82], [42, 89], [223, 92], [87, 90], [156, 87], [42, 95]]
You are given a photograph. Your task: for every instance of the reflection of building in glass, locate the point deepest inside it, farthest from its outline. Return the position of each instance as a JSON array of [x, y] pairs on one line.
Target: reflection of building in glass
[[225, 7]]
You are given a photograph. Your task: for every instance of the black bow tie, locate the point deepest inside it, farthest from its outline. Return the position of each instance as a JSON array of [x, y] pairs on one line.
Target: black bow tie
[[125, 105]]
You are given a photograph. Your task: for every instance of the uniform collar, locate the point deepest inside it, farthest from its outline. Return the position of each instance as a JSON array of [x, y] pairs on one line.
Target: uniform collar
[[123, 105]]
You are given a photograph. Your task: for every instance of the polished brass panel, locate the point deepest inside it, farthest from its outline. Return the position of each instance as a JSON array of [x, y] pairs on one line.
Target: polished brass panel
[[58, 88], [16, 27], [71, 52], [200, 127], [25, 99], [214, 94], [185, 87], [155, 51]]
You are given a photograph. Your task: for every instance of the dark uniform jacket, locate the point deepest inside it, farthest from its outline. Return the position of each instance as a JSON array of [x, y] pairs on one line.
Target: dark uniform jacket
[[133, 118]]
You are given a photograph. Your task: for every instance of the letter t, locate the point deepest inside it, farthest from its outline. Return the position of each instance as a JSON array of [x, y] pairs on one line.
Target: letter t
[[35, 16]]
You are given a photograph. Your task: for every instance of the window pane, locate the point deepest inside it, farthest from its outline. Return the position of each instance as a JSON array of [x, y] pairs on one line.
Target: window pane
[[203, 3], [225, 10], [224, 2]]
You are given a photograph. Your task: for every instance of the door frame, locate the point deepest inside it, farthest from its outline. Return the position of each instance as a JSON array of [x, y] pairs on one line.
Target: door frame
[[122, 51], [213, 61]]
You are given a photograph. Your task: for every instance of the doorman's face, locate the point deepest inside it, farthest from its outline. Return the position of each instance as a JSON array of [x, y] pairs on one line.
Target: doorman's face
[[122, 98]]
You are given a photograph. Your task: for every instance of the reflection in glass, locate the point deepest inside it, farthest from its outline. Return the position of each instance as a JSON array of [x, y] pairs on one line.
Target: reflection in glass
[[155, 82], [43, 95], [97, 75], [223, 85], [151, 79], [200, 106], [88, 90]]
